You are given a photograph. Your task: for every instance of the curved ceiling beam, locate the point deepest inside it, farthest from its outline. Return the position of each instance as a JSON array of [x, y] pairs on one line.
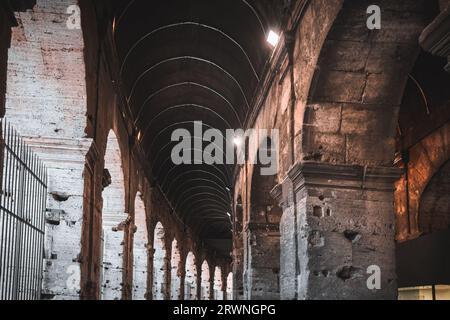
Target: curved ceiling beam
[[201, 180], [193, 206], [203, 172], [207, 209], [187, 190], [193, 105], [191, 172], [151, 96], [206, 196], [171, 126], [154, 162], [196, 199], [175, 59], [253, 10], [188, 23], [224, 174]]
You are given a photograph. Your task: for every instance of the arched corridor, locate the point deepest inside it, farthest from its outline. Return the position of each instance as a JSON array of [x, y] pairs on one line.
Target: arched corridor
[[224, 150]]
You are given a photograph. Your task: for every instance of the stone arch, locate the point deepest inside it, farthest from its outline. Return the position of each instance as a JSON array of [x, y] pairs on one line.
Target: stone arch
[[159, 263], [360, 79], [434, 210], [230, 290], [140, 250], [113, 218], [425, 159], [175, 281], [206, 281], [190, 281], [218, 285]]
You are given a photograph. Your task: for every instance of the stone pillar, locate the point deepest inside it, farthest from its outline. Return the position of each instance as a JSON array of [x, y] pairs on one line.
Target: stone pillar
[[211, 283], [168, 270], [199, 282], [283, 194], [149, 291], [238, 265], [262, 270], [182, 273], [345, 230], [224, 284]]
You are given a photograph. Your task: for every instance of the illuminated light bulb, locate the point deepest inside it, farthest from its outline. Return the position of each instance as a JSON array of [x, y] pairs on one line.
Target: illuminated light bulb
[[273, 38], [237, 141]]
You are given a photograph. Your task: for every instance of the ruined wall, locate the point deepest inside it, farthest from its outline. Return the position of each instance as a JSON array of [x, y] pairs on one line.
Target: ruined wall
[[46, 90]]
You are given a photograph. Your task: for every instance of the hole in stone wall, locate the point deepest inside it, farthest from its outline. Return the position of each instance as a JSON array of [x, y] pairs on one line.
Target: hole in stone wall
[[318, 211]]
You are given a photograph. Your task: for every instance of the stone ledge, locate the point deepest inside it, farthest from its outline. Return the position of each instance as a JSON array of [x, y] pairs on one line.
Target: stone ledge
[[343, 176]]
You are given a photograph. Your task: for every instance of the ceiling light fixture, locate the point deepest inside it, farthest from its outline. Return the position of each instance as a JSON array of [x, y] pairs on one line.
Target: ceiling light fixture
[[273, 38], [237, 141]]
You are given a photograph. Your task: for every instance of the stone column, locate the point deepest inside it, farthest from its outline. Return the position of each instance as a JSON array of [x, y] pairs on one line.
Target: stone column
[[211, 283], [345, 231], [224, 284], [168, 270], [263, 254], [283, 194]]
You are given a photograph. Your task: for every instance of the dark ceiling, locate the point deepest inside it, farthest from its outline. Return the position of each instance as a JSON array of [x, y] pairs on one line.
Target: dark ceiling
[[193, 60]]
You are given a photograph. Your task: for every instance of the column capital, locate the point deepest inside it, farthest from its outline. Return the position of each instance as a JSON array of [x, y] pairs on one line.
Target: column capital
[[321, 174]]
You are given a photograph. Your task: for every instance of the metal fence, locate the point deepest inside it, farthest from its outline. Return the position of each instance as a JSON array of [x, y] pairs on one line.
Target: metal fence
[[23, 179]]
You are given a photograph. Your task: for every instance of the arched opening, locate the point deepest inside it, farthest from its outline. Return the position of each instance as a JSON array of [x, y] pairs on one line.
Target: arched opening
[[140, 250], [175, 283], [434, 211], [218, 292], [263, 235], [429, 279], [159, 263], [190, 281], [205, 284], [230, 286], [422, 196], [113, 215]]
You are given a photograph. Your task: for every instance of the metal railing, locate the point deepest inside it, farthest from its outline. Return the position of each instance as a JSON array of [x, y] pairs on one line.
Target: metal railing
[[23, 194]]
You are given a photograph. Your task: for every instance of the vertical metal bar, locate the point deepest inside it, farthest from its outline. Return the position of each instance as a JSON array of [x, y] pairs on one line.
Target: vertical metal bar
[[5, 169], [11, 225], [28, 252], [22, 208]]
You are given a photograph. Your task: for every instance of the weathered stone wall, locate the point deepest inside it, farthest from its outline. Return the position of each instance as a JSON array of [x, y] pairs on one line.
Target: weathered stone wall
[[283, 109], [345, 87], [46, 90]]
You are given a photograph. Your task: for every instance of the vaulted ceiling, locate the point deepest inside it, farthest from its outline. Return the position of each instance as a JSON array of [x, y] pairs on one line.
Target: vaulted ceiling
[[193, 60]]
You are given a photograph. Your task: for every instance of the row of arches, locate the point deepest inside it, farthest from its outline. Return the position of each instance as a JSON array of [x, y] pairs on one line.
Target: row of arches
[[170, 276]]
